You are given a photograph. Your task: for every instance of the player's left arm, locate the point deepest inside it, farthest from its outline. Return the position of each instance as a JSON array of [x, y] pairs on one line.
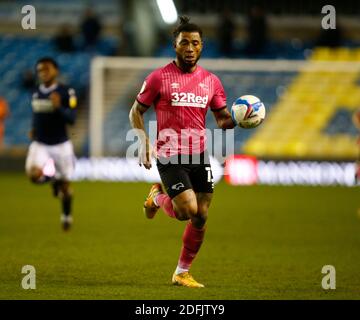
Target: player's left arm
[[223, 118], [218, 106], [67, 111]]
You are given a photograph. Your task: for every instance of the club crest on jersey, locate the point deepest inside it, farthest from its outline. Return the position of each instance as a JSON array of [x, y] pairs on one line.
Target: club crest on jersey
[[203, 86], [188, 99], [175, 85]]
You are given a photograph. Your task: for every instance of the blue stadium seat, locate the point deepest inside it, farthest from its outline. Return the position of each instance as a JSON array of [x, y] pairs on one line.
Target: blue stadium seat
[[19, 54]]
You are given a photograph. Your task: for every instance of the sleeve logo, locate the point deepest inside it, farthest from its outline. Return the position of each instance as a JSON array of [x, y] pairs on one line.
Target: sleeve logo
[[143, 88], [72, 99]]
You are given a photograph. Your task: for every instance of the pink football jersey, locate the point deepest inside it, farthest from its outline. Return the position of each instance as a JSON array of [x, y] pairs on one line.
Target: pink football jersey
[[181, 101]]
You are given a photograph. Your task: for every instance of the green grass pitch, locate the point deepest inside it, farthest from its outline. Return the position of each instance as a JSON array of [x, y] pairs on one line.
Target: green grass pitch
[[262, 242]]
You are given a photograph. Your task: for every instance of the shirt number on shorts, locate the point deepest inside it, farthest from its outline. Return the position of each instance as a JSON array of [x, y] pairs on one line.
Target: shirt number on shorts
[[209, 178]]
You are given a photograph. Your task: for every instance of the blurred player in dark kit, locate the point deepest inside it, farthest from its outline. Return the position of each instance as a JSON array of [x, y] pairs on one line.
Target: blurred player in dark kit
[[53, 106]]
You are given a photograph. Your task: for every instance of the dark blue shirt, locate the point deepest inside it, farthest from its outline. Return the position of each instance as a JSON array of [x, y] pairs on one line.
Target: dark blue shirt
[[49, 124]]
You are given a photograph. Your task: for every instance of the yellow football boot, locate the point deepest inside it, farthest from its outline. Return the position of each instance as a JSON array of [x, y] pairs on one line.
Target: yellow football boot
[[185, 279], [150, 208]]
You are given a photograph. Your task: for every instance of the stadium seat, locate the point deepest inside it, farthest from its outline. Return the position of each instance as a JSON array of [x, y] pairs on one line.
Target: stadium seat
[[321, 103], [19, 54]]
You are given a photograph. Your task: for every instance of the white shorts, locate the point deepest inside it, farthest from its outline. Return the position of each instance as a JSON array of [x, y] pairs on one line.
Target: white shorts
[[55, 160]]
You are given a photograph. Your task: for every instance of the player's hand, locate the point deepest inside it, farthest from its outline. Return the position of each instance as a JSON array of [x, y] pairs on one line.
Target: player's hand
[[55, 100], [31, 134], [146, 154]]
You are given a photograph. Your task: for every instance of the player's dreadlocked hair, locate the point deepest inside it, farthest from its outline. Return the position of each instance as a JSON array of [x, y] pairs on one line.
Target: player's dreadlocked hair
[[186, 26]]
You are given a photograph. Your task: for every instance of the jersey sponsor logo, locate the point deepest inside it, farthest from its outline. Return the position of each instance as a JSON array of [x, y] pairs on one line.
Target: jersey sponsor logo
[[177, 186], [188, 99], [42, 106]]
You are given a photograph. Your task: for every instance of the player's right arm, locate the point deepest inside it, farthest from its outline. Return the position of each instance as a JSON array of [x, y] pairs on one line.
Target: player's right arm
[[148, 94], [137, 122]]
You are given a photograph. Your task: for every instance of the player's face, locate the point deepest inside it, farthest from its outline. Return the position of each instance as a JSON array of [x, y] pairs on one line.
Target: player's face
[[46, 72], [188, 46]]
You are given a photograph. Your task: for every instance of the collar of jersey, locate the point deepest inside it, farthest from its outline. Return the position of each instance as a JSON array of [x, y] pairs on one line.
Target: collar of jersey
[[47, 90], [183, 72]]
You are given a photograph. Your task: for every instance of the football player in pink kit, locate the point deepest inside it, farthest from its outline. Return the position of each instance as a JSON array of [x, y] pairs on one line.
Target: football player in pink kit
[[181, 93]]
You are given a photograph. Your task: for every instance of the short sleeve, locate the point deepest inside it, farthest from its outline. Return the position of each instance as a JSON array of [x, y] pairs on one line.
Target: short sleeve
[[150, 89], [218, 100]]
